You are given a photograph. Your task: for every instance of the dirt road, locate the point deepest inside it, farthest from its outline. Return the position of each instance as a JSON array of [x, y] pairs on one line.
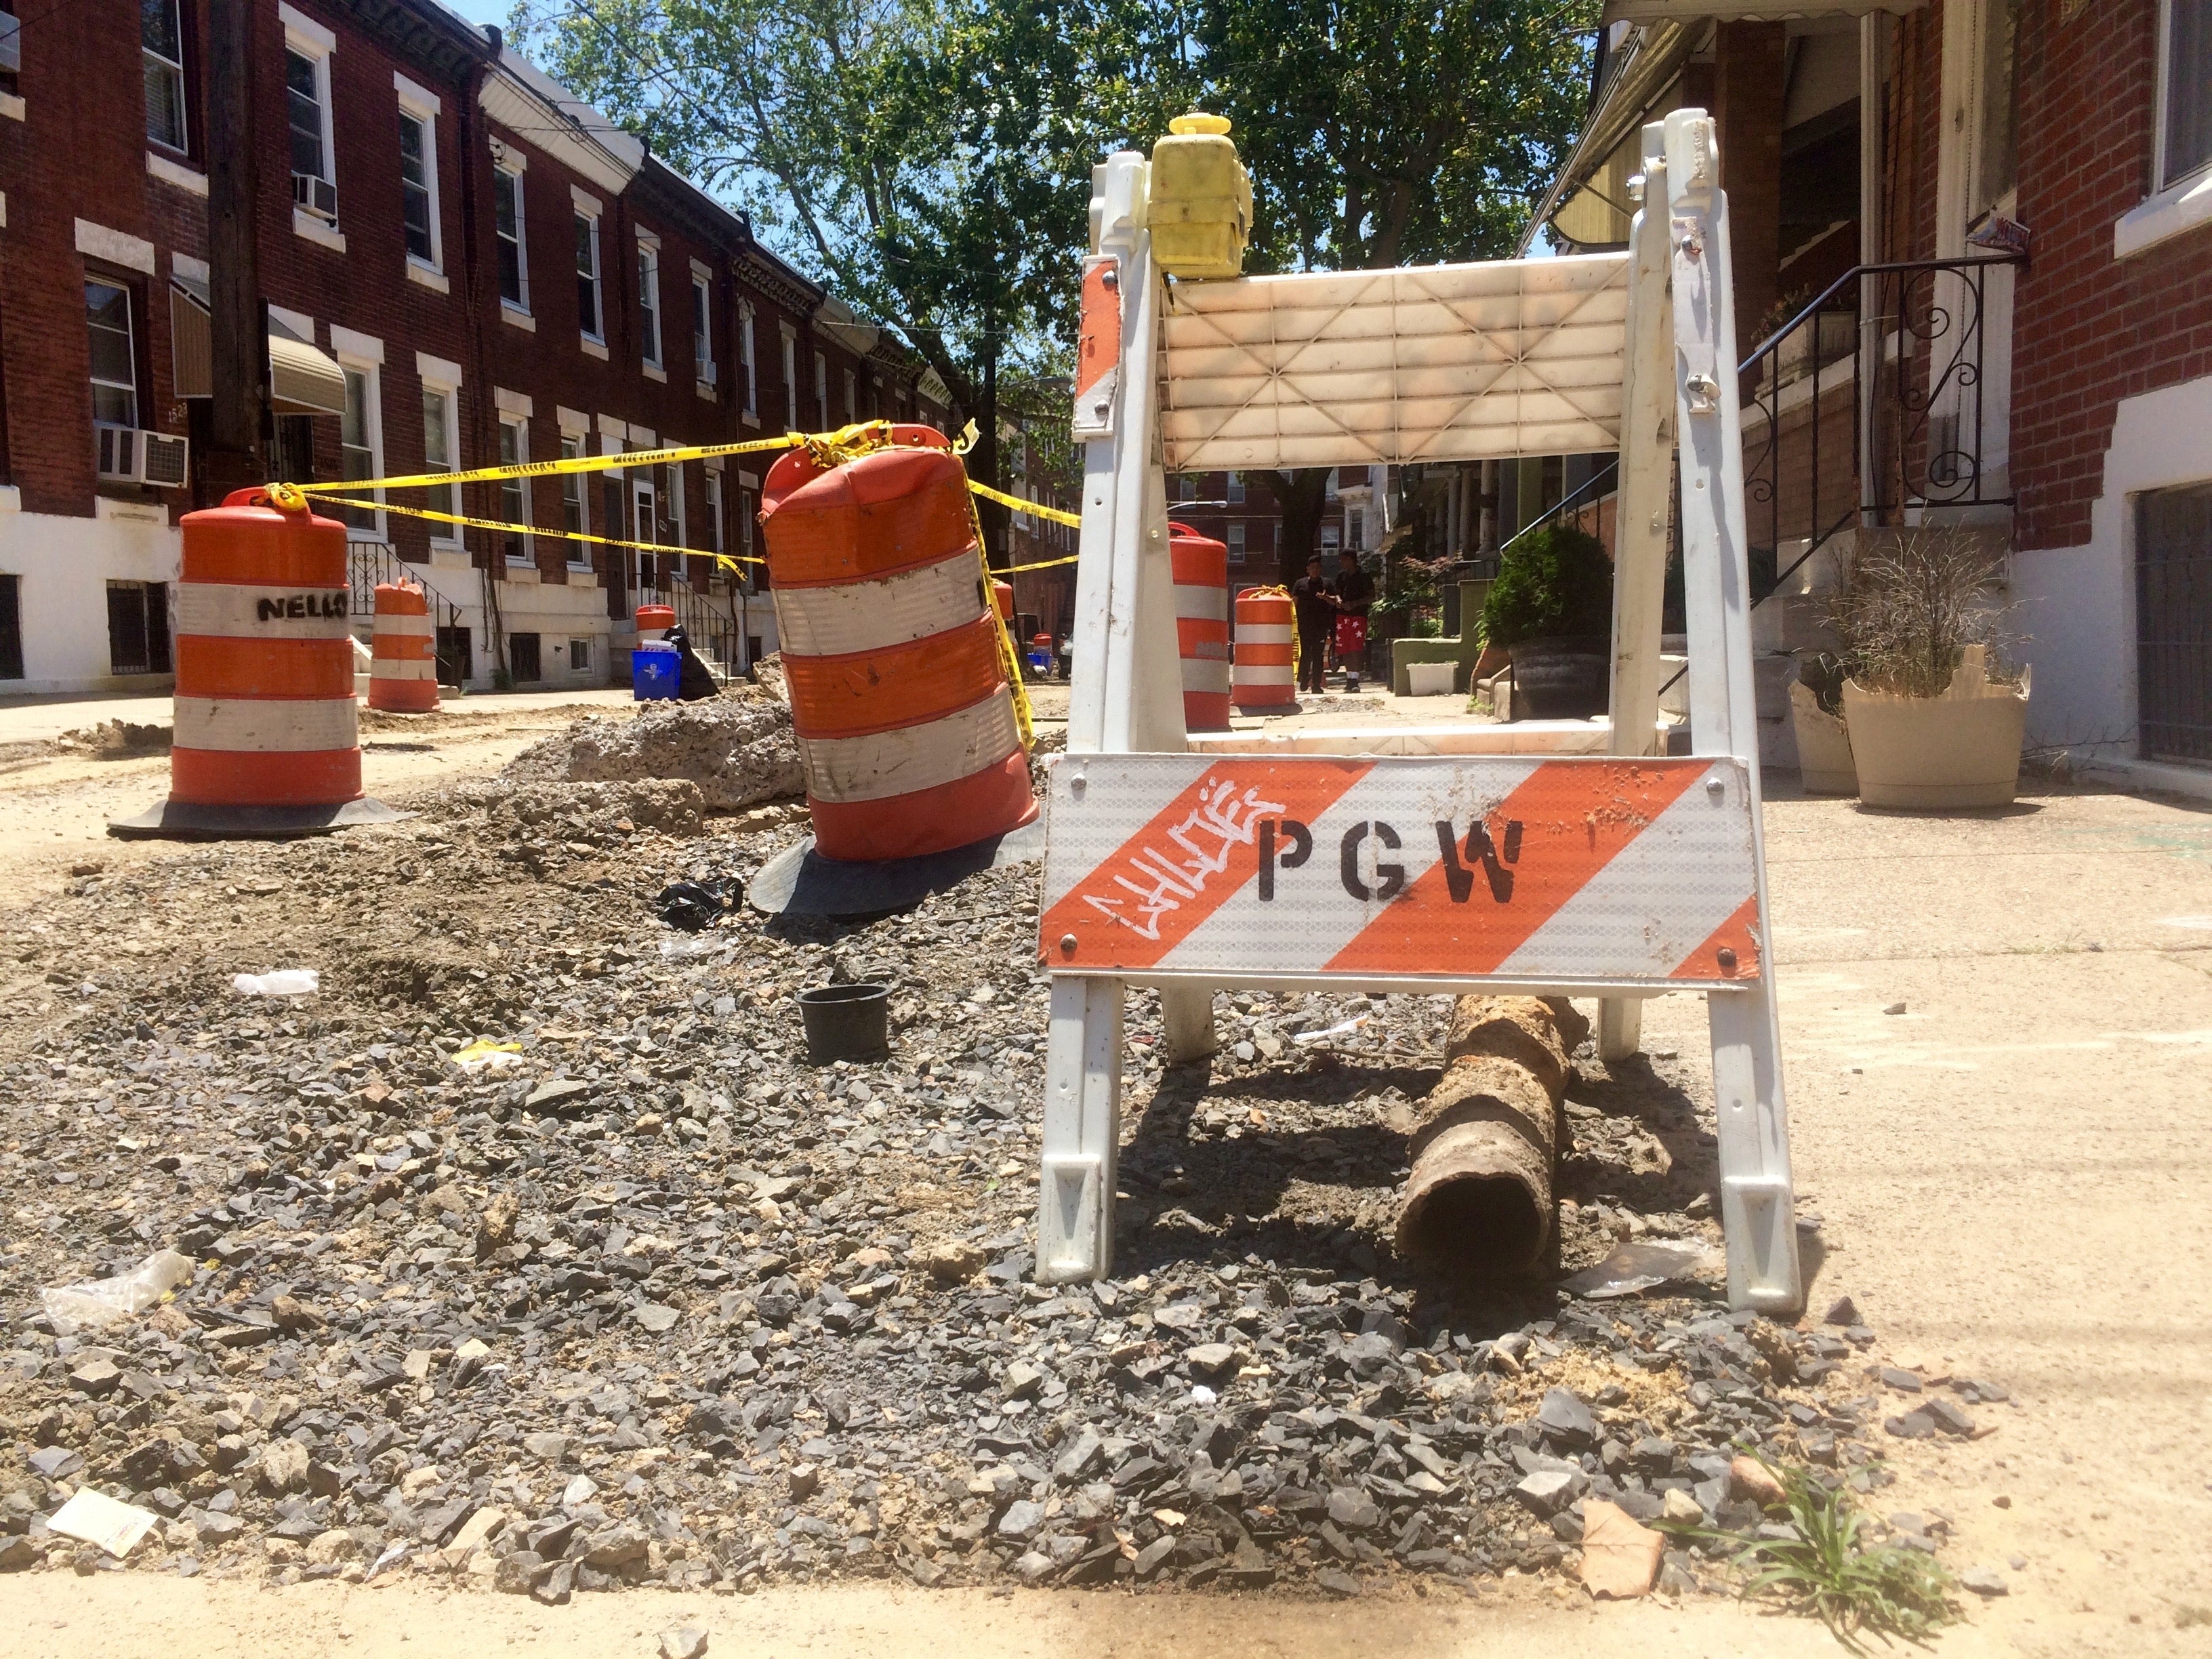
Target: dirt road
[[2011, 1172]]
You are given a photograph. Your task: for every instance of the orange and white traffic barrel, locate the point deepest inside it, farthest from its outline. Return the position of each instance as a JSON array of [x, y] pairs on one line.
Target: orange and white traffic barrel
[[906, 721], [1002, 595], [1201, 566], [653, 621], [1265, 680], [403, 676], [265, 737]]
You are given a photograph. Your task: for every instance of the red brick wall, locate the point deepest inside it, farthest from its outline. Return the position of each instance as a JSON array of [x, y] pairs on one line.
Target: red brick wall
[[73, 156], [2088, 329], [77, 155]]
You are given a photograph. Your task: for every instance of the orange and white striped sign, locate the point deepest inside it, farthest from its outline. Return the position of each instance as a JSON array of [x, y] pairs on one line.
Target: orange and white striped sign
[[1520, 870]]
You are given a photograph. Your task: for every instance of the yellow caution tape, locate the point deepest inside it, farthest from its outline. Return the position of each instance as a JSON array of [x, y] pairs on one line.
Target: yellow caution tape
[[434, 517], [1015, 501]]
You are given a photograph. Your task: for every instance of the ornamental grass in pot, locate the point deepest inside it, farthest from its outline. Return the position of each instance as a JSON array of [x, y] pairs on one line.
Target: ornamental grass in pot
[[1935, 713], [1551, 610]]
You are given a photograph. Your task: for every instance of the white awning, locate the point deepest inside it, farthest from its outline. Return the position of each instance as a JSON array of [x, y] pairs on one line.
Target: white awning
[[302, 379], [1745, 11]]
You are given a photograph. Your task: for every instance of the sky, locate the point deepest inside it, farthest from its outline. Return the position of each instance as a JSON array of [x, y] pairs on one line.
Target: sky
[[481, 11]]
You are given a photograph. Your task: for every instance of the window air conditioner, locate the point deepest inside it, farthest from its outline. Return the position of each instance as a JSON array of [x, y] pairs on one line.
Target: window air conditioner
[[127, 455], [316, 196]]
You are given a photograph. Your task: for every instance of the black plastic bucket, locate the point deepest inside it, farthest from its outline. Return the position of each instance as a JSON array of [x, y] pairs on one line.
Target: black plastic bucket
[[846, 1022]]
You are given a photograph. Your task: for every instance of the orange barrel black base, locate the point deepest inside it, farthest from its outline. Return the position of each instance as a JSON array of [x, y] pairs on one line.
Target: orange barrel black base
[[1265, 679], [403, 676], [265, 740], [1201, 566], [899, 694]]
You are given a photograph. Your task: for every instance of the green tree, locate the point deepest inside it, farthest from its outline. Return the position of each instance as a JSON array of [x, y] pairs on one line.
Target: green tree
[[927, 159]]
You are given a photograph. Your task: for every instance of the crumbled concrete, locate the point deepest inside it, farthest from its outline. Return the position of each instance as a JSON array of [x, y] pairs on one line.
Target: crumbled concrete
[[738, 748]]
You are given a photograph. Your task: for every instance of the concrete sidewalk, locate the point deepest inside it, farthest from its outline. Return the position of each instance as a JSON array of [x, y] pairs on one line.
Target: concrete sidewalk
[[40, 718]]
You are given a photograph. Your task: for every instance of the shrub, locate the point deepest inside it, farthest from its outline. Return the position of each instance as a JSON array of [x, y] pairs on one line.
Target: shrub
[[1555, 581], [1911, 603]]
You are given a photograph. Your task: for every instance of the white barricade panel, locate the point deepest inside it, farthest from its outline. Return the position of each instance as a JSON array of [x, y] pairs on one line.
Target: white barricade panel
[[1430, 363], [1520, 870]]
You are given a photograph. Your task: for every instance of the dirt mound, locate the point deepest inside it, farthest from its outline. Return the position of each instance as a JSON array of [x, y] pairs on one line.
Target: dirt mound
[[599, 813], [737, 749]]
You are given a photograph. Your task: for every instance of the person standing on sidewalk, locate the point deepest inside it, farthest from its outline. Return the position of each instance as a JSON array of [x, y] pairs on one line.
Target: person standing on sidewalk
[[1353, 596], [1315, 605]]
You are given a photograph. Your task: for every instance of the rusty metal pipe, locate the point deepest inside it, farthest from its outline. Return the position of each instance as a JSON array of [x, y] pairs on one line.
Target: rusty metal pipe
[[1485, 1138]]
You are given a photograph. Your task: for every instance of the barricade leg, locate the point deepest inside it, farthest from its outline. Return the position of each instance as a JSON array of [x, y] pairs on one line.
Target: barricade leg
[[1757, 1210], [1187, 1010], [1082, 1130]]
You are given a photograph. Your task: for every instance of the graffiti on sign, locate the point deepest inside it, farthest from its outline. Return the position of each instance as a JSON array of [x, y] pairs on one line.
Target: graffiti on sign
[[1432, 868]]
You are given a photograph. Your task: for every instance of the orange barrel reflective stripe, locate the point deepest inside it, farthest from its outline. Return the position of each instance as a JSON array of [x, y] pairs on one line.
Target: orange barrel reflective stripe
[[1265, 679], [403, 675], [265, 707], [654, 620], [899, 695], [1201, 567]]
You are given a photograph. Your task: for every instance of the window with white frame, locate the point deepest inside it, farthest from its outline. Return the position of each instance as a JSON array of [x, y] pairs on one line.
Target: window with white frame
[[308, 49], [648, 299], [2186, 93], [713, 499], [161, 38], [575, 514], [672, 501], [506, 230], [755, 575], [790, 378], [588, 317], [852, 397], [114, 353], [1236, 486], [440, 429], [418, 177], [752, 387], [360, 445], [514, 493], [702, 329], [1236, 544], [580, 656], [822, 392]]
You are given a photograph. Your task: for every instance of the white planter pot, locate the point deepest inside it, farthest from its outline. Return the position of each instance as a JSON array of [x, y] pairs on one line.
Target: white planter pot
[[1961, 749], [1824, 746]]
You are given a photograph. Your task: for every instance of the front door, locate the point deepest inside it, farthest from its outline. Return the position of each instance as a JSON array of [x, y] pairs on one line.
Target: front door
[[651, 579]]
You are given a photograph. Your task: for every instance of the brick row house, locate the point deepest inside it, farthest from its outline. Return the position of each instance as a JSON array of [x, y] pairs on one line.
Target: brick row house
[[462, 264], [1973, 255]]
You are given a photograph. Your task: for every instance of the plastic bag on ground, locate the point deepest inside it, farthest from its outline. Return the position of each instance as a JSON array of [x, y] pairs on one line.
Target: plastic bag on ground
[[285, 982], [482, 1057], [1634, 1267], [103, 1301], [93, 1516]]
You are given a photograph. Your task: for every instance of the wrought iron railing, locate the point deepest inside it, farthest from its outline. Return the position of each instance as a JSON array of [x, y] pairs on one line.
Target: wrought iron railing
[[710, 625], [368, 563], [1917, 429], [1558, 509]]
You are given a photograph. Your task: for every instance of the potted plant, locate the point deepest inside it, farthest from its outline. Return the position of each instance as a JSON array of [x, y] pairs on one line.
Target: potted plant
[[1551, 610], [1935, 714], [1816, 713]]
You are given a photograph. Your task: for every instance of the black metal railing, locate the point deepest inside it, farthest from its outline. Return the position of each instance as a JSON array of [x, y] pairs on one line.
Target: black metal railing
[[1923, 412], [1556, 510], [369, 563], [710, 625]]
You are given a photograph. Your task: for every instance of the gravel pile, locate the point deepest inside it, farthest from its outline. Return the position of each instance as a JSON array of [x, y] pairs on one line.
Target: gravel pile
[[736, 747], [529, 1250]]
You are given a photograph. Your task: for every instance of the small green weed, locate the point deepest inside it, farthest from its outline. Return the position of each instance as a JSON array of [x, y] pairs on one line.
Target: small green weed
[[1829, 1571]]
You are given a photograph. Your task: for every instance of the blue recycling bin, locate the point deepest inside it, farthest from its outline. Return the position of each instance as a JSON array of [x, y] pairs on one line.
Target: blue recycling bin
[[655, 671]]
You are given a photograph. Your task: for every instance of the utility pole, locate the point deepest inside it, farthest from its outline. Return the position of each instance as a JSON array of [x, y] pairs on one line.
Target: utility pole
[[237, 326]]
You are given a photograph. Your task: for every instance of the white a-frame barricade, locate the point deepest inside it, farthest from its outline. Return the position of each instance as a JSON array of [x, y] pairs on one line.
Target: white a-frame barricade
[[1462, 859]]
